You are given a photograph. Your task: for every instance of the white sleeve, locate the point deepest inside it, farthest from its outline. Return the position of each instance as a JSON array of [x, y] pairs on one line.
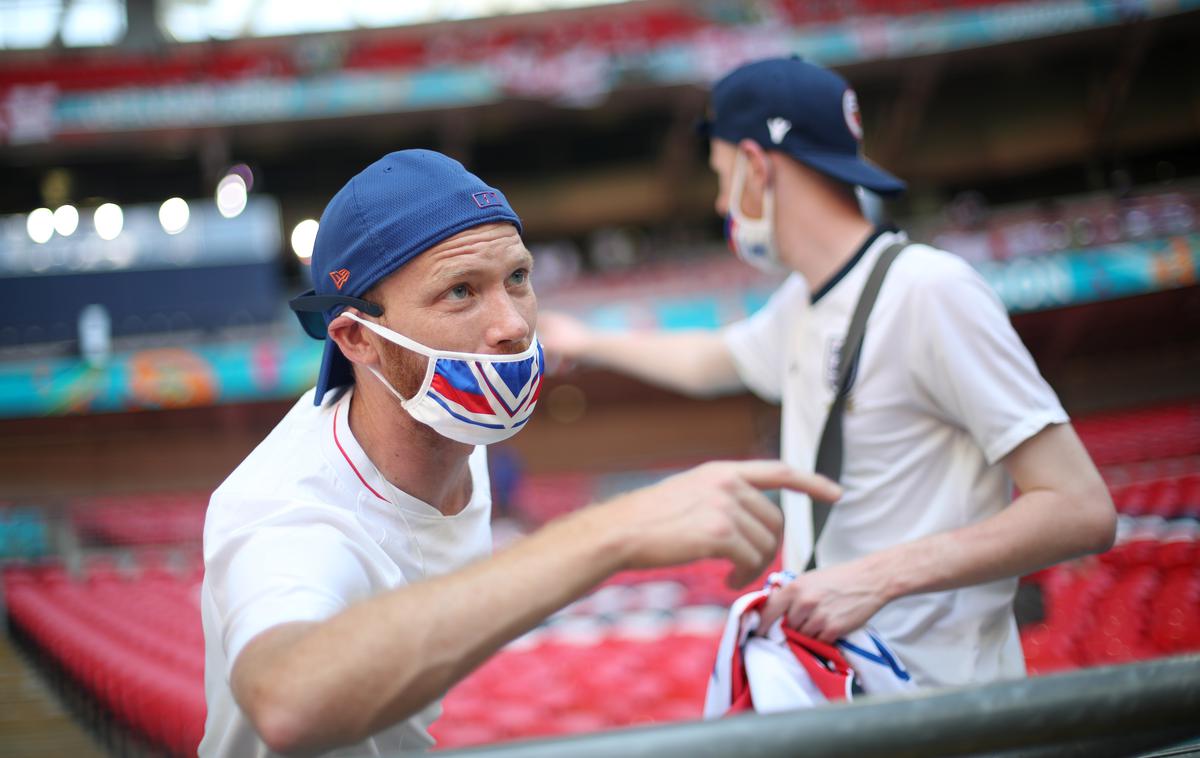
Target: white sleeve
[[971, 365], [758, 344], [279, 574]]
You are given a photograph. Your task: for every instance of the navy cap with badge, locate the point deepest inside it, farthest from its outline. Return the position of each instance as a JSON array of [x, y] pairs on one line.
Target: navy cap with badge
[[800, 109], [394, 210]]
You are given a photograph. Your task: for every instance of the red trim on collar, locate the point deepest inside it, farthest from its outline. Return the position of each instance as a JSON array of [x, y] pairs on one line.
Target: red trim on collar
[[352, 466]]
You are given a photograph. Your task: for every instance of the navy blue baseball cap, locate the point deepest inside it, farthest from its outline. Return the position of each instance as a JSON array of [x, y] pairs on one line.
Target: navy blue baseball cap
[[800, 109], [395, 209]]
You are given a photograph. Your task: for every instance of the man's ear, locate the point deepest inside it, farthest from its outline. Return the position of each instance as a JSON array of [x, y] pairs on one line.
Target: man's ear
[[758, 163], [352, 338]]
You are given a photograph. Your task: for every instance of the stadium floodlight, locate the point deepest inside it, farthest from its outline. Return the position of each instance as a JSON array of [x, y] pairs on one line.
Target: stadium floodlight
[[231, 195], [66, 220], [109, 220], [303, 238], [40, 225], [173, 214]]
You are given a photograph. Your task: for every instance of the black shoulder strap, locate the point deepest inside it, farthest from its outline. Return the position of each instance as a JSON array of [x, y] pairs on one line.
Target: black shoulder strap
[[829, 453]]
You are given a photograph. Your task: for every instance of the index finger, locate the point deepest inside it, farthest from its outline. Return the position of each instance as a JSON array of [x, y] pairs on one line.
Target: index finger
[[771, 475]]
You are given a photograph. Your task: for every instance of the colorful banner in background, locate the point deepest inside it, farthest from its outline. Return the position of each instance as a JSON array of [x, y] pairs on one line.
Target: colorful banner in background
[[285, 366]]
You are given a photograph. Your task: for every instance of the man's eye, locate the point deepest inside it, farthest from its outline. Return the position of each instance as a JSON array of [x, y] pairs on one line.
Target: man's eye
[[458, 293], [520, 276]]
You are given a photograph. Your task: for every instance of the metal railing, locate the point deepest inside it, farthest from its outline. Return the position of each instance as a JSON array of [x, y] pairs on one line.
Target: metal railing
[[1111, 711]]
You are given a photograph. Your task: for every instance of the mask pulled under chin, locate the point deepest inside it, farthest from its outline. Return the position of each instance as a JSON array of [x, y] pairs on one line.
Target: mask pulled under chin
[[752, 239], [473, 398]]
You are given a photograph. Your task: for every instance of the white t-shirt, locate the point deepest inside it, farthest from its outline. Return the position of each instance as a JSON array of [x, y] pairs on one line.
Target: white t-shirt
[[944, 390], [304, 527]]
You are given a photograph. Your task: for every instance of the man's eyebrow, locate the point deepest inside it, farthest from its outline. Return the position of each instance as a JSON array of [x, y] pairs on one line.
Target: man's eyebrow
[[524, 259], [453, 273]]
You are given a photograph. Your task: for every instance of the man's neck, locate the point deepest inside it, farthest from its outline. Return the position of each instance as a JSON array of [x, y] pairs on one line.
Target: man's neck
[[409, 454], [827, 247]]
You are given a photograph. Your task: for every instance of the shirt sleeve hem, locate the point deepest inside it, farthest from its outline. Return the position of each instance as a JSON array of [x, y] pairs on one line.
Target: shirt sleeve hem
[[236, 641], [1021, 431]]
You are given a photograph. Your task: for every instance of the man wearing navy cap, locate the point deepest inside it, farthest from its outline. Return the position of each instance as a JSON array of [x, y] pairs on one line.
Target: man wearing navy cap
[[348, 581], [945, 410]]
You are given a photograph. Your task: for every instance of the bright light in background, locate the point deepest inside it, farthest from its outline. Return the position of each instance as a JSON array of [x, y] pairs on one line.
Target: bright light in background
[[303, 238], [90, 23], [40, 225], [109, 220], [231, 195], [28, 24], [35, 23], [66, 220], [197, 20], [173, 214], [273, 17]]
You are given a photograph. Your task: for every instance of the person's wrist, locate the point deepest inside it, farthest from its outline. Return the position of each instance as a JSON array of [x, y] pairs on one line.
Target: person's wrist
[[605, 528], [883, 577]]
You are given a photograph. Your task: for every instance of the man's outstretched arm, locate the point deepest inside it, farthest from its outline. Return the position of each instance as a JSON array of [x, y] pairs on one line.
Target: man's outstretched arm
[[309, 687], [692, 362]]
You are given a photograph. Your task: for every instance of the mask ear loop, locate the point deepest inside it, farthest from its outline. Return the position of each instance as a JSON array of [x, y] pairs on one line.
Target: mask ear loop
[[740, 166], [735, 192], [407, 342], [430, 361]]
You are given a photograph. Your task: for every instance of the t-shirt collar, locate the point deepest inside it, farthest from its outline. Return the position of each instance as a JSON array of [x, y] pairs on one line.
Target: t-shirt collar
[[359, 469], [850, 264]]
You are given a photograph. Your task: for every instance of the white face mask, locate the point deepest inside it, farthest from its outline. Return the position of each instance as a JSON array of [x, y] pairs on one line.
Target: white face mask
[[474, 398], [752, 239]]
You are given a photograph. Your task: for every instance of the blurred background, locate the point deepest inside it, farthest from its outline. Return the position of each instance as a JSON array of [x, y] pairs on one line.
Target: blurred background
[[164, 166]]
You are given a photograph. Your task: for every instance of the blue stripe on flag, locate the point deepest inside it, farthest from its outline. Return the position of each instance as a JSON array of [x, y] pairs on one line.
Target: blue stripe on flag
[[458, 374]]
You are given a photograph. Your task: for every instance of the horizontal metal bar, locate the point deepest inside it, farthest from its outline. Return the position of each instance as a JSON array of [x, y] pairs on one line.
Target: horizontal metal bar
[[1158, 699]]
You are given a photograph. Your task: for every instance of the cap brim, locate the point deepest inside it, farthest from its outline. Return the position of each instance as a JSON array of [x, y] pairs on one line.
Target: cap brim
[[854, 171], [335, 372]]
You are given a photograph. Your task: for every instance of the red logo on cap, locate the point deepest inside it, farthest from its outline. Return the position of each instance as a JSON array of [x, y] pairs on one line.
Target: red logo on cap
[[850, 112], [339, 277]]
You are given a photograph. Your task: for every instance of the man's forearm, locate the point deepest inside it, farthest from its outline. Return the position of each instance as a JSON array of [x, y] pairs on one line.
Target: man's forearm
[[314, 686], [380, 661], [1038, 529], [693, 362]]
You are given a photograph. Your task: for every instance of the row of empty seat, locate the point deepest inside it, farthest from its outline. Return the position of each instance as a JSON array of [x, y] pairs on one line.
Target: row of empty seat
[[133, 643], [637, 650], [1150, 457], [446, 45], [1139, 600], [1159, 433], [142, 519]]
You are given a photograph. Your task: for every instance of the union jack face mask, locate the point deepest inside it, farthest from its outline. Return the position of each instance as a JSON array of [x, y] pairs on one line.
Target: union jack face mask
[[473, 398]]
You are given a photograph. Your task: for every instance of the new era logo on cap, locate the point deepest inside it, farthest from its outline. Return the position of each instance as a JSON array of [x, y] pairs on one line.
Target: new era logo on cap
[[339, 277], [778, 128], [484, 199]]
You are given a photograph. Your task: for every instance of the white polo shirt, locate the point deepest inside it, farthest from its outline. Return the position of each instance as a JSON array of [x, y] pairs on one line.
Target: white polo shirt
[[944, 390], [304, 527]]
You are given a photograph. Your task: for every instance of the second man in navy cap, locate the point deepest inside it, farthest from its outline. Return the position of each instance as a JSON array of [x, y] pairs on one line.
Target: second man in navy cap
[[945, 408]]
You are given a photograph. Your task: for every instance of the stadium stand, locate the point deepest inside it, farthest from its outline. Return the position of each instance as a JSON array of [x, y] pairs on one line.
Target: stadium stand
[[23, 533], [102, 595], [126, 631], [140, 519]]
